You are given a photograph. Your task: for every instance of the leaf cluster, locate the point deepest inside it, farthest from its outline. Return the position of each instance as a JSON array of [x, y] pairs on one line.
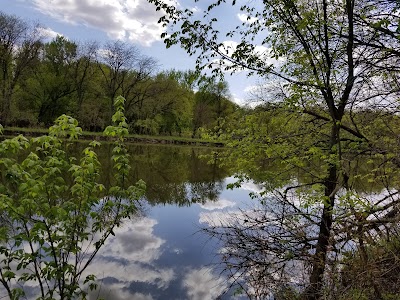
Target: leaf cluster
[[55, 213]]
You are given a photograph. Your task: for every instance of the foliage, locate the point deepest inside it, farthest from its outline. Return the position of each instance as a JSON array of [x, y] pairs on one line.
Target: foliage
[[211, 105], [51, 87], [42, 80], [324, 62], [55, 213]]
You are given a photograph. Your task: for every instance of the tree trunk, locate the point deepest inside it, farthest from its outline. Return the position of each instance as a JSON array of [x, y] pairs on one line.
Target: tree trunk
[[314, 290], [5, 108]]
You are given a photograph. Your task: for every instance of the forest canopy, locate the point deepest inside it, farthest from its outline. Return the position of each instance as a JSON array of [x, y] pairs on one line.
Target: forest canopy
[[41, 80]]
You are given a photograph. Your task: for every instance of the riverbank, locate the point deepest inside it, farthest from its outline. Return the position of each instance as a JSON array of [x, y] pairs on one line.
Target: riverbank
[[131, 138]]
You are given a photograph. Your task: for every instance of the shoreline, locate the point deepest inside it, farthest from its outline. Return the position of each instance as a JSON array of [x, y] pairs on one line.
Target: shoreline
[[98, 136]]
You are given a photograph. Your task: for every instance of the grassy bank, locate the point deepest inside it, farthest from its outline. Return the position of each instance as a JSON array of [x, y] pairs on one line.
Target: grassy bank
[[131, 138]]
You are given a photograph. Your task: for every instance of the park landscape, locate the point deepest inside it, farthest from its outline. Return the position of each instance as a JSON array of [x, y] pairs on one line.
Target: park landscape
[[320, 144]]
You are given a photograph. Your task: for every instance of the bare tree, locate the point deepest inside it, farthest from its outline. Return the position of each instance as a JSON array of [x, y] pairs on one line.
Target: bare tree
[[123, 67], [86, 57], [20, 44]]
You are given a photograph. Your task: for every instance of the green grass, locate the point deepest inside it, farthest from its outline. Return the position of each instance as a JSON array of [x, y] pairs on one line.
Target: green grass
[[24, 129], [138, 137]]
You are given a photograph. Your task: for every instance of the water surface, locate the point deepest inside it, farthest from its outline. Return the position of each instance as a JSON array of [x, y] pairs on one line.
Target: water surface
[[163, 254]]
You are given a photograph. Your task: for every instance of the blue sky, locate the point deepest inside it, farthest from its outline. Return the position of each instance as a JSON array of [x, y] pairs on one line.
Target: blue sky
[[134, 21]]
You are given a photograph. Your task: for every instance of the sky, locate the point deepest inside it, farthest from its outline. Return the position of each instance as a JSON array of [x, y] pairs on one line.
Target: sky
[[133, 21]]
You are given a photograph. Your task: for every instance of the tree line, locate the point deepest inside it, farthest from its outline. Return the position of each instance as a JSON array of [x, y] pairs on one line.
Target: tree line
[[41, 80]]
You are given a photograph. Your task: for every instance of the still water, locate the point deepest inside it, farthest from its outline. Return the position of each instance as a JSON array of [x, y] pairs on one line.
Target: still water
[[163, 254]]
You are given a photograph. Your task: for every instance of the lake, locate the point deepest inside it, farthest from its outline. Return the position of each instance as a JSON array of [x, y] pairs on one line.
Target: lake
[[163, 254], [167, 250]]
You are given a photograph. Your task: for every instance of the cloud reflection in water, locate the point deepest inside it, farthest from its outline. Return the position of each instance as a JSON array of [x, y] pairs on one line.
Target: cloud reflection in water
[[128, 257], [220, 204], [135, 242], [202, 284], [151, 258]]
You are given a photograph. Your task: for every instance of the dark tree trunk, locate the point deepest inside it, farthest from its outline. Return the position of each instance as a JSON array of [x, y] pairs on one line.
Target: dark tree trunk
[[314, 290]]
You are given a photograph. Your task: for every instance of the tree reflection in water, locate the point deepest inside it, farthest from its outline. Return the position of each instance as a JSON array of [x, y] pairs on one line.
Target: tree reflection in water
[[173, 174], [265, 249], [154, 257]]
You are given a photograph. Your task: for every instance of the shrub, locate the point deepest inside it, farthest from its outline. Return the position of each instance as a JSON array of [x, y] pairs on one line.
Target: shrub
[[55, 214]]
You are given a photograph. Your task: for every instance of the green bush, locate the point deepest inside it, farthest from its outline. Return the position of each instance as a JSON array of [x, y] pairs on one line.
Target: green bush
[[55, 214]]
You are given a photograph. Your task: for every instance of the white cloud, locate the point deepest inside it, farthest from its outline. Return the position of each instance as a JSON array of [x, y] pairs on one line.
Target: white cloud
[[201, 284], [247, 185], [48, 33], [220, 204], [228, 48], [177, 251], [233, 218], [238, 100], [268, 91], [262, 50], [245, 19], [195, 9], [134, 20], [251, 88], [117, 292]]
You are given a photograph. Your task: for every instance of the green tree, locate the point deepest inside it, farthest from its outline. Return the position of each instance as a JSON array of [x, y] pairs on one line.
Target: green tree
[[172, 103], [55, 213], [51, 88], [330, 59], [164, 106], [212, 105]]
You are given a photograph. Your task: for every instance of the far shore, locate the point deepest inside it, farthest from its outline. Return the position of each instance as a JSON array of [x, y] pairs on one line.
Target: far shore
[[131, 138]]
